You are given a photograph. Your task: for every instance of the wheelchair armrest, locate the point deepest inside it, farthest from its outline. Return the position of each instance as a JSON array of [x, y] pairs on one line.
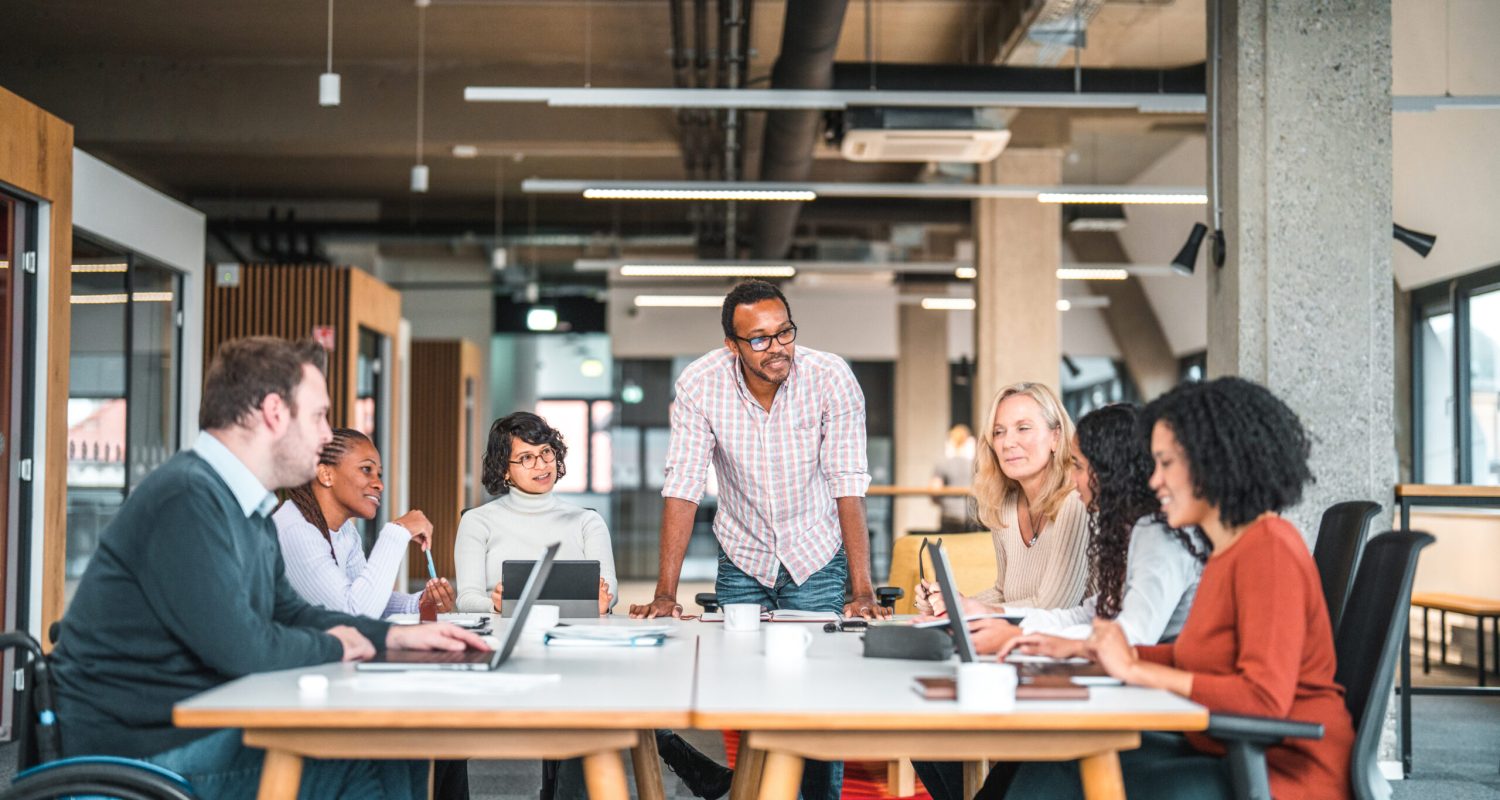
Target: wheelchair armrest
[[1263, 731], [888, 595]]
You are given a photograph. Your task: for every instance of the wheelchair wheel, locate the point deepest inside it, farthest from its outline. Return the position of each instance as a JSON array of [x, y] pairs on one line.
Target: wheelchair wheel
[[120, 780]]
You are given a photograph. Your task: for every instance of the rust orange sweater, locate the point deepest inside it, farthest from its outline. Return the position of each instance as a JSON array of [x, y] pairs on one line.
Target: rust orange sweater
[[1258, 642]]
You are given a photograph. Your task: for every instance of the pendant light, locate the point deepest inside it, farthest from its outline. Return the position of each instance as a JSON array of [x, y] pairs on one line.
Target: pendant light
[[328, 82]]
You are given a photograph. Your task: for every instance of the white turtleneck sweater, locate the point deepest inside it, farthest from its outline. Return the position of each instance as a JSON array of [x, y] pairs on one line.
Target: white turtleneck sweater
[[517, 527]]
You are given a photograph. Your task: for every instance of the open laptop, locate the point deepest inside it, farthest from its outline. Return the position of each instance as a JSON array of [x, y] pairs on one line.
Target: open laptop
[[472, 660], [572, 586], [962, 644]]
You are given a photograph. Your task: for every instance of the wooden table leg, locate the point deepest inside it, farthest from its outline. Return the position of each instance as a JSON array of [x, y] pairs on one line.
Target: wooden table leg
[[280, 776], [901, 778], [647, 763], [604, 774], [748, 763], [782, 777], [1101, 776], [974, 774]]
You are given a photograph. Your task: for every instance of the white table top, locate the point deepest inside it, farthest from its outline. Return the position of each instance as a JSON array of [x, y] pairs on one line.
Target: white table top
[[607, 687], [836, 687]]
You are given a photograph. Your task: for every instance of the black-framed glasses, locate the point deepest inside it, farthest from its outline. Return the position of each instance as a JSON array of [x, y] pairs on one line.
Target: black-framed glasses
[[926, 545], [529, 460], [760, 344]]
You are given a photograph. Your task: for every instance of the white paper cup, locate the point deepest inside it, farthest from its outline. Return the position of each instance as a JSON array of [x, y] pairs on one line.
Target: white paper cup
[[742, 617], [542, 618], [787, 642], [986, 686]]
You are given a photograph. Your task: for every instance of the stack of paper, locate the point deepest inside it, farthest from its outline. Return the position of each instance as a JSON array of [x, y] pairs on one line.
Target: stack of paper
[[607, 636], [782, 615]]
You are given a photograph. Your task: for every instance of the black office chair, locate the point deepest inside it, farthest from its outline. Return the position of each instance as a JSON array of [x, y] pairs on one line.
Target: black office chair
[[1341, 539], [1367, 643], [42, 774]]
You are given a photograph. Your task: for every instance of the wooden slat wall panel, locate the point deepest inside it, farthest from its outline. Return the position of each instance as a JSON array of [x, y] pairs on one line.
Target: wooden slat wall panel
[[437, 446]]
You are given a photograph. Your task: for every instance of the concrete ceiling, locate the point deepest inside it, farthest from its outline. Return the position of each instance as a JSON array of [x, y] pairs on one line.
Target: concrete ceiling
[[216, 101]]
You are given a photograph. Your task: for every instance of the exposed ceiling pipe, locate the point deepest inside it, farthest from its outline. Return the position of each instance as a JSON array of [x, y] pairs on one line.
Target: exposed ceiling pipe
[[809, 41]]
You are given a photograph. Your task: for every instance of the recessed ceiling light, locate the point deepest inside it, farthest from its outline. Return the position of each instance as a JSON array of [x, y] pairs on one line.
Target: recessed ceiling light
[[465, 151], [678, 301]]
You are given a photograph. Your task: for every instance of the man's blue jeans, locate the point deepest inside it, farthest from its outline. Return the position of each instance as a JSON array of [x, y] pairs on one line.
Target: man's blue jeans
[[221, 767], [822, 591]]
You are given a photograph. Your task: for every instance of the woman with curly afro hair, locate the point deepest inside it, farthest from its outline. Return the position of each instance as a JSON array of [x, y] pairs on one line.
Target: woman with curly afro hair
[[1229, 458], [1142, 572]]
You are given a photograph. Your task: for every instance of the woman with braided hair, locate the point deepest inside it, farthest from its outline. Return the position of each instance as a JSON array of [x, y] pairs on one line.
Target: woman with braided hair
[[324, 554], [1229, 458]]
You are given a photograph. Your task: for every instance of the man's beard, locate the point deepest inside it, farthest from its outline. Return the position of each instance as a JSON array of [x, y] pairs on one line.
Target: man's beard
[[760, 372], [291, 463]]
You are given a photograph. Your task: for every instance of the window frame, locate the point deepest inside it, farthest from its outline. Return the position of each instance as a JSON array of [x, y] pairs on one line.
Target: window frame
[[1455, 293]]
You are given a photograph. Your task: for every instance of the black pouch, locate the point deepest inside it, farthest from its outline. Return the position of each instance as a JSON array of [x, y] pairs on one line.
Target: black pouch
[[904, 641]]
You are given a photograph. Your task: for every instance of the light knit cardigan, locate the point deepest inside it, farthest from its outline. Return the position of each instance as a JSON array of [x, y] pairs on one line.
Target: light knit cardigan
[[1053, 572]]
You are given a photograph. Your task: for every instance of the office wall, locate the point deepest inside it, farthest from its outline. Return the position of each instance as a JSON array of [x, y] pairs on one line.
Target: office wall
[[110, 205]]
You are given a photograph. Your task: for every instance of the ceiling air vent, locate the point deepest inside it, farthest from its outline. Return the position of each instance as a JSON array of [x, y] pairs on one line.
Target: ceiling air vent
[[922, 135]]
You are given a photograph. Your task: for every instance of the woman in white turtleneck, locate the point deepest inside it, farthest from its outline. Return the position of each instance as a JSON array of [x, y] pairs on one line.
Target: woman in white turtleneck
[[522, 463]]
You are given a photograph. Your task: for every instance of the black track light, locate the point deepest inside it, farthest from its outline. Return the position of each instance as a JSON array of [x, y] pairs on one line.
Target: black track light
[[1187, 257], [1420, 242]]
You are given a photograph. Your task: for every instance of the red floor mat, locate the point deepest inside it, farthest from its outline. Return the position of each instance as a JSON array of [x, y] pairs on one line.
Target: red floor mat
[[863, 780]]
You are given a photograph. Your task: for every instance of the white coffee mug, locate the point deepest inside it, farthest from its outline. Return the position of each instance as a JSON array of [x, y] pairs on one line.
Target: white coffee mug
[[986, 686], [742, 617], [541, 619], [787, 642]]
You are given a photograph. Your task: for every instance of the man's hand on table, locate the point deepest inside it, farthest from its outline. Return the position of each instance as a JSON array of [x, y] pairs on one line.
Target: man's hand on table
[[432, 636], [356, 646], [864, 605], [662, 606]]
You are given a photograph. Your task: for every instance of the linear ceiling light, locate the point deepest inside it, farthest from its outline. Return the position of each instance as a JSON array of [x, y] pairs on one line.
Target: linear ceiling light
[[948, 303], [678, 301], [966, 273], [832, 100], [1423, 103], [774, 190], [705, 271], [1091, 272], [1088, 274], [113, 299], [1128, 197], [781, 195]]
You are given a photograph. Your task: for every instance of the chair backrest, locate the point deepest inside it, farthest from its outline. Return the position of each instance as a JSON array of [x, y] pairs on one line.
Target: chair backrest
[[38, 733], [1368, 643], [971, 554], [1341, 538]]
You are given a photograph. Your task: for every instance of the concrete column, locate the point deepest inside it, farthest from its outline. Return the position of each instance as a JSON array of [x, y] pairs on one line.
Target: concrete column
[[922, 404], [1303, 304], [1017, 250]]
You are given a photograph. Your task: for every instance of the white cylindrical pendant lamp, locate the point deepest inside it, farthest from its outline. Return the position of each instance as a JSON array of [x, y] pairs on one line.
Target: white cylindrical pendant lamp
[[328, 89], [419, 178]]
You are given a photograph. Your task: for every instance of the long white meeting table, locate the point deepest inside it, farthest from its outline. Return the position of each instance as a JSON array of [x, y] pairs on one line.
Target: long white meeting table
[[597, 702]]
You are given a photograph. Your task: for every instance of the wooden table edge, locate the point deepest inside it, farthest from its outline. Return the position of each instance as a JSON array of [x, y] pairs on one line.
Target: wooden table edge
[[1439, 490], [417, 719], [1028, 721]]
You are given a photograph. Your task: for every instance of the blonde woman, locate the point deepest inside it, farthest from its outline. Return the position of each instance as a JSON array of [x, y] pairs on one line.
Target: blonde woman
[[1026, 498]]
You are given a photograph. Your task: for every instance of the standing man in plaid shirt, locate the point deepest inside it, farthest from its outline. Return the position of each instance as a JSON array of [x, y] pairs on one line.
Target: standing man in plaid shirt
[[784, 428]]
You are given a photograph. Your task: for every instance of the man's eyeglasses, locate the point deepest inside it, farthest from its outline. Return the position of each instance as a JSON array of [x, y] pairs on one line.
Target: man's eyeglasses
[[529, 460], [760, 344]]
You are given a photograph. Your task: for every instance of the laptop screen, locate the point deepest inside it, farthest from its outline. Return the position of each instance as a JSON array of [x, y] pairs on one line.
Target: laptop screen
[[529, 594], [962, 644]]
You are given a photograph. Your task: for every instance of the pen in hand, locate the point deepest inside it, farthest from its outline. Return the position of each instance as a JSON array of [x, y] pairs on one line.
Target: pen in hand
[[431, 568]]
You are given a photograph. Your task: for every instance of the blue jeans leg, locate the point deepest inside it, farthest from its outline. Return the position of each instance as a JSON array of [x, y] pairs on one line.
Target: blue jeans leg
[[822, 591], [221, 767]]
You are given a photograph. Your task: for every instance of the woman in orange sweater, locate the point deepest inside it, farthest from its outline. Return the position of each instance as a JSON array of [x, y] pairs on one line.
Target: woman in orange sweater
[[1229, 456]]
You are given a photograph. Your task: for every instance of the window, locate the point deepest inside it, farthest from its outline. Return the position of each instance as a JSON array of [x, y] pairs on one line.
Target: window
[[1456, 381], [124, 387]]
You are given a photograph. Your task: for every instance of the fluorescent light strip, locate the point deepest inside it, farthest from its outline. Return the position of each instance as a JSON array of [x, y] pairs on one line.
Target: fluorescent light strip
[[678, 301], [966, 273], [948, 303], [792, 195], [118, 266], [1086, 274], [704, 271], [115, 299], [731, 190], [833, 100], [1423, 103], [1124, 198]]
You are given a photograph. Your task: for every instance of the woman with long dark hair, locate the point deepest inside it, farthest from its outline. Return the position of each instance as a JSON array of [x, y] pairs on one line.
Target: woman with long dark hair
[[322, 547], [1229, 458], [1142, 572]]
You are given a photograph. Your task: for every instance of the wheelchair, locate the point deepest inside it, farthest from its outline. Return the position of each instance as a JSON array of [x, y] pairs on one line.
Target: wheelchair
[[41, 772]]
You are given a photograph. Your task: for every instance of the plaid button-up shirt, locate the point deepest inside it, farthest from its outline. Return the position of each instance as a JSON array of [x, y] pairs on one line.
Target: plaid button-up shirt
[[778, 472]]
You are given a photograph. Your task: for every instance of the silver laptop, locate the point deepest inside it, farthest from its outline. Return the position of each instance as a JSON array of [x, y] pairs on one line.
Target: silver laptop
[[472, 660]]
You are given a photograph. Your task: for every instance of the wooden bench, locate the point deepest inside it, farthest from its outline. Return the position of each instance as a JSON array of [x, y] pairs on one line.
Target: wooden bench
[[1480, 608]]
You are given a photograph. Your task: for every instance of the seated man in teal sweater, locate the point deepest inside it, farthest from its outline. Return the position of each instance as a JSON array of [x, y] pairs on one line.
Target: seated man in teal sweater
[[188, 590]]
